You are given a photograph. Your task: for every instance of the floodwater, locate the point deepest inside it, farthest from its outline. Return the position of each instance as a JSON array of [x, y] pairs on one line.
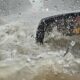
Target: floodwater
[[22, 59]]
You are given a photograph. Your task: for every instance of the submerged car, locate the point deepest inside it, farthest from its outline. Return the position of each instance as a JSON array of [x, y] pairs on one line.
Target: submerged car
[[68, 24]]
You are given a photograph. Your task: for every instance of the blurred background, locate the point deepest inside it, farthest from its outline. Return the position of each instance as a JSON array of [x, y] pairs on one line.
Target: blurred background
[[8, 7]]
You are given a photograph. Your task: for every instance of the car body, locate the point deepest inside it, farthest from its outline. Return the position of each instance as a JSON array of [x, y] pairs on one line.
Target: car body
[[68, 24]]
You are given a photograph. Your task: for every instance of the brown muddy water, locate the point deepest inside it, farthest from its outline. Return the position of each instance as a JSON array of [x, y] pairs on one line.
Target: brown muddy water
[[43, 73]]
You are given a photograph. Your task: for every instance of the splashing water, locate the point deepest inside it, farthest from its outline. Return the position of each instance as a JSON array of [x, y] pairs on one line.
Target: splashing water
[[21, 58]]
